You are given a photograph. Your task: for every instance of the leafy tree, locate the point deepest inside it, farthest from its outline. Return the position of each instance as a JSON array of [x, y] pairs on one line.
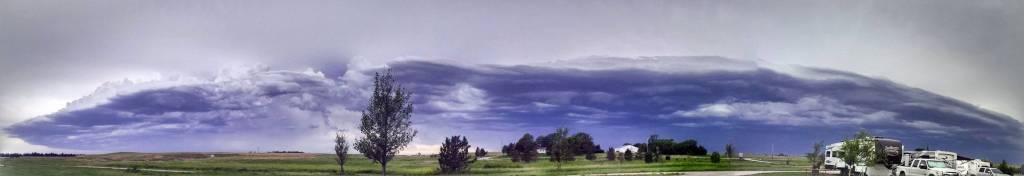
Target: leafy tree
[[341, 151], [816, 158], [386, 122], [526, 148], [480, 152], [610, 154], [544, 142], [628, 155], [562, 148], [857, 150], [729, 151], [454, 156], [505, 148], [584, 144], [715, 157]]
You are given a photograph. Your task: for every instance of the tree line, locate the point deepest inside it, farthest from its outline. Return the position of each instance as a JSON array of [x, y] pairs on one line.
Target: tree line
[[34, 154], [387, 129]]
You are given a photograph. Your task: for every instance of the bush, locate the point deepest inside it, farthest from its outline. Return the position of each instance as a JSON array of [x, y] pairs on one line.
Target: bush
[[715, 157]]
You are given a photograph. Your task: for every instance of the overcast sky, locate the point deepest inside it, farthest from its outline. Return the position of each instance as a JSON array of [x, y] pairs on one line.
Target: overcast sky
[[56, 52]]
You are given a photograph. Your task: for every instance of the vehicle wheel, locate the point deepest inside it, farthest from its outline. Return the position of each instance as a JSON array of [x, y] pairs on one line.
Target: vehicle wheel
[[902, 174]]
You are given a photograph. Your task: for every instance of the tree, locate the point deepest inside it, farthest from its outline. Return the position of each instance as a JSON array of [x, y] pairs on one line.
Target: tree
[[544, 142], [480, 152], [454, 156], [652, 153], [610, 154], [729, 151], [386, 122], [584, 144], [701, 151], [562, 149], [341, 150], [526, 148], [715, 157], [816, 157], [1005, 168], [628, 155], [513, 152], [857, 150]]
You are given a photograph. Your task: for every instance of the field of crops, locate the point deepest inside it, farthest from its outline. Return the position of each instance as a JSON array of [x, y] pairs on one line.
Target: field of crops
[[323, 164]]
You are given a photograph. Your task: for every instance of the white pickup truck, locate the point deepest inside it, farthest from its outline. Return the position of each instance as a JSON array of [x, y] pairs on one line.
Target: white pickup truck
[[927, 167]]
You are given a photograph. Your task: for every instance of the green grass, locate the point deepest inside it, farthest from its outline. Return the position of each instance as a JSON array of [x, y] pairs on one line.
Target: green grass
[[357, 165]]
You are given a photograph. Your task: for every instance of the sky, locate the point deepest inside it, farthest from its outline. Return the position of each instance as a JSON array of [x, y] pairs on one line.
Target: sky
[[103, 76]]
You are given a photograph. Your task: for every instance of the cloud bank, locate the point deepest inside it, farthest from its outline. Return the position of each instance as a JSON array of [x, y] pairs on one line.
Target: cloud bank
[[712, 99]]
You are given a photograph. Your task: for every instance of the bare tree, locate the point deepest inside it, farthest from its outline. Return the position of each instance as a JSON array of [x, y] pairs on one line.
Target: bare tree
[[386, 122], [816, 157], [341, 150]]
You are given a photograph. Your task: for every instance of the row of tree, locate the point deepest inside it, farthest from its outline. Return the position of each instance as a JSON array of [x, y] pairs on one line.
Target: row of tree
[[560, 146], [35, 154], [386, 127]]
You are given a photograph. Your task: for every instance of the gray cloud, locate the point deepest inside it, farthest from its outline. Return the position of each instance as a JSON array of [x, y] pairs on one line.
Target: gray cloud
[[55, 52], [492, 104]]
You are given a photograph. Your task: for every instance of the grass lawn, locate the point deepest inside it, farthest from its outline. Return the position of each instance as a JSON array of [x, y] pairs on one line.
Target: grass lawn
[[323, 164]]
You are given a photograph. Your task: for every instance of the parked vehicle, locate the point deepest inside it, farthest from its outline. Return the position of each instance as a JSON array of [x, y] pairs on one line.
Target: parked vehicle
[[987, 171], [833, 156], [888, 154], [926, 167], [972, 167]]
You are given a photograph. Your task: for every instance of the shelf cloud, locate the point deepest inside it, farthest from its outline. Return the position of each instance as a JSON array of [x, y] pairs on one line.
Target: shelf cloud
[[618, 100]]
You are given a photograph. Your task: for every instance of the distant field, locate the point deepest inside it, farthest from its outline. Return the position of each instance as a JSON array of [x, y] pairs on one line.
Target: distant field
[[323, 164]]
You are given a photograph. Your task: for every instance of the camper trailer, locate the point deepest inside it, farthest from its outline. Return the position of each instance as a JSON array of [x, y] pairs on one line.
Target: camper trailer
[[834, 156], [888, 154]]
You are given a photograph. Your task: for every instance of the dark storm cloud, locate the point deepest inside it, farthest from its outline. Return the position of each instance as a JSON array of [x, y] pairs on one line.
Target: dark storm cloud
[[622, 101]]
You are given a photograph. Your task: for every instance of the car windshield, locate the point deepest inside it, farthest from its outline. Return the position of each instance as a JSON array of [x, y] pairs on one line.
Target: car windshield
[[997, 171], [937, 164]]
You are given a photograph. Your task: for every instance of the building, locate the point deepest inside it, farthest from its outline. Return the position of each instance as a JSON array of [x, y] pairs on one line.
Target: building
[[623, 148]]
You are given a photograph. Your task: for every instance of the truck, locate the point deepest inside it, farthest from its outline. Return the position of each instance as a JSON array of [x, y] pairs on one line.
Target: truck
[[887, 153], [926, 166]]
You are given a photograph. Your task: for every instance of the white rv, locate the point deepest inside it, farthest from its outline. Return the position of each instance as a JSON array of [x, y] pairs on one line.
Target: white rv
[[888, 154], [834, 156], [973, 167]]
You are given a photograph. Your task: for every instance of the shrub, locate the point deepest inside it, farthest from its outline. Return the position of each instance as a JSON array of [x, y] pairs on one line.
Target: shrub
[[715, 157]]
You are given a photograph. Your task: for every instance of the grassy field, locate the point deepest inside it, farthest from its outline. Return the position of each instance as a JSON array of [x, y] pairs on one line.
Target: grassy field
[[323, 164]]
